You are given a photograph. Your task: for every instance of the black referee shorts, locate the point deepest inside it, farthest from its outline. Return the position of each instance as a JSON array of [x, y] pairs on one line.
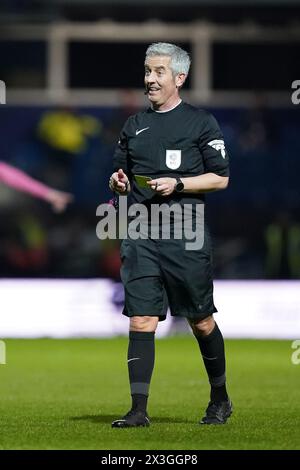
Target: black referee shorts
[[161, 273]]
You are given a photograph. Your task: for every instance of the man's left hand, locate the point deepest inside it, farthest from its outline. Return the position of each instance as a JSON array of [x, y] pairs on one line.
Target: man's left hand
[[163, 186]]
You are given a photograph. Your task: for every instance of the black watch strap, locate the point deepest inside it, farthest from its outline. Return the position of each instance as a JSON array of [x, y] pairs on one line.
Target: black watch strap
[[179, 186]]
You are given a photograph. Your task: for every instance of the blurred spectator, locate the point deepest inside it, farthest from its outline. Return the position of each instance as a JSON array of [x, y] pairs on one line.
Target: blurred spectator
[[76, 157], [19, 180], [282, 238], [110, 262], [65, 130], [26, 250]]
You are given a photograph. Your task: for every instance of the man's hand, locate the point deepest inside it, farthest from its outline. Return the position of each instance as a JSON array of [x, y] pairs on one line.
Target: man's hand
[[119, 182], [59, 199], [163, 186]]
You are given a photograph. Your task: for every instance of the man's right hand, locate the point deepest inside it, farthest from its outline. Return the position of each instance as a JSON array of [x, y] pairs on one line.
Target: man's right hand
[[119, 182]]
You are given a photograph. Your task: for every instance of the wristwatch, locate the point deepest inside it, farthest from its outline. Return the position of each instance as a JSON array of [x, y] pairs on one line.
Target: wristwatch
[[179, 186]]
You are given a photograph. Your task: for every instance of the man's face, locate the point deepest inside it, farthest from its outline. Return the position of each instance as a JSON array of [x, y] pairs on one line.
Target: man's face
[[159, 81]]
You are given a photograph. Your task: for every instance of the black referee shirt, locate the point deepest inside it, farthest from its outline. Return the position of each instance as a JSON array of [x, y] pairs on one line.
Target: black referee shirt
[[184, 142]]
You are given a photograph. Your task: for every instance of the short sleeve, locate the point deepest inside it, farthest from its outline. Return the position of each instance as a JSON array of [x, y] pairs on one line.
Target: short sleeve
[[212, 147], [120, 158]]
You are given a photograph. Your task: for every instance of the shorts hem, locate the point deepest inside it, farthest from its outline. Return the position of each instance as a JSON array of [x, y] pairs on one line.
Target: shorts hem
[[191, 315], [161, 317]]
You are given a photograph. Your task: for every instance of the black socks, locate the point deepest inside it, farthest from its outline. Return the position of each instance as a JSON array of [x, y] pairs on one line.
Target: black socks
[[140, 366], [213, 354], [141, 354]]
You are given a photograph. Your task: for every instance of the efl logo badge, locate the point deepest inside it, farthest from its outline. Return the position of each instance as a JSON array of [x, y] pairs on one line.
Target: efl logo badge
[[2, 92], [173, 159]]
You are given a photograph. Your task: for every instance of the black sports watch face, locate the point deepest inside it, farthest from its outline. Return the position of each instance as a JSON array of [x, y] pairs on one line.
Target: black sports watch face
[[179, 186]]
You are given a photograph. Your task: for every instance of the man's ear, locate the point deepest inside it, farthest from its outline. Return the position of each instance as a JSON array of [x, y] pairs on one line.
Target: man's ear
[[180, 79]]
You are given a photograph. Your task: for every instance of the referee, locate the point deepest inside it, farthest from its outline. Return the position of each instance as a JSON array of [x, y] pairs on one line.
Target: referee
[[181, 148]]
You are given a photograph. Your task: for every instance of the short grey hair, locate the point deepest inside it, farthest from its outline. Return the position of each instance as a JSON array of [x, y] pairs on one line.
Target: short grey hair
[[180, 60]]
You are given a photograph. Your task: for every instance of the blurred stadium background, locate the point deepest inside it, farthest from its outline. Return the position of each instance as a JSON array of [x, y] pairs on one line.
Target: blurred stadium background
[[73, 72]]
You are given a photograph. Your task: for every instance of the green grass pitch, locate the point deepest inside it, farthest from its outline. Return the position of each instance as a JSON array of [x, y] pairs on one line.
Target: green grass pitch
[[63, 394]]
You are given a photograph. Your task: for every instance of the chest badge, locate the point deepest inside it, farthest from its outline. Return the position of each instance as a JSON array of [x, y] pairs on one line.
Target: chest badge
[[173, 159]]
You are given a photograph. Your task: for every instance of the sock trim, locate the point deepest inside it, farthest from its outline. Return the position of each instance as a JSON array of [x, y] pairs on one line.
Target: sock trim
[[140, 388], [217, 381]]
